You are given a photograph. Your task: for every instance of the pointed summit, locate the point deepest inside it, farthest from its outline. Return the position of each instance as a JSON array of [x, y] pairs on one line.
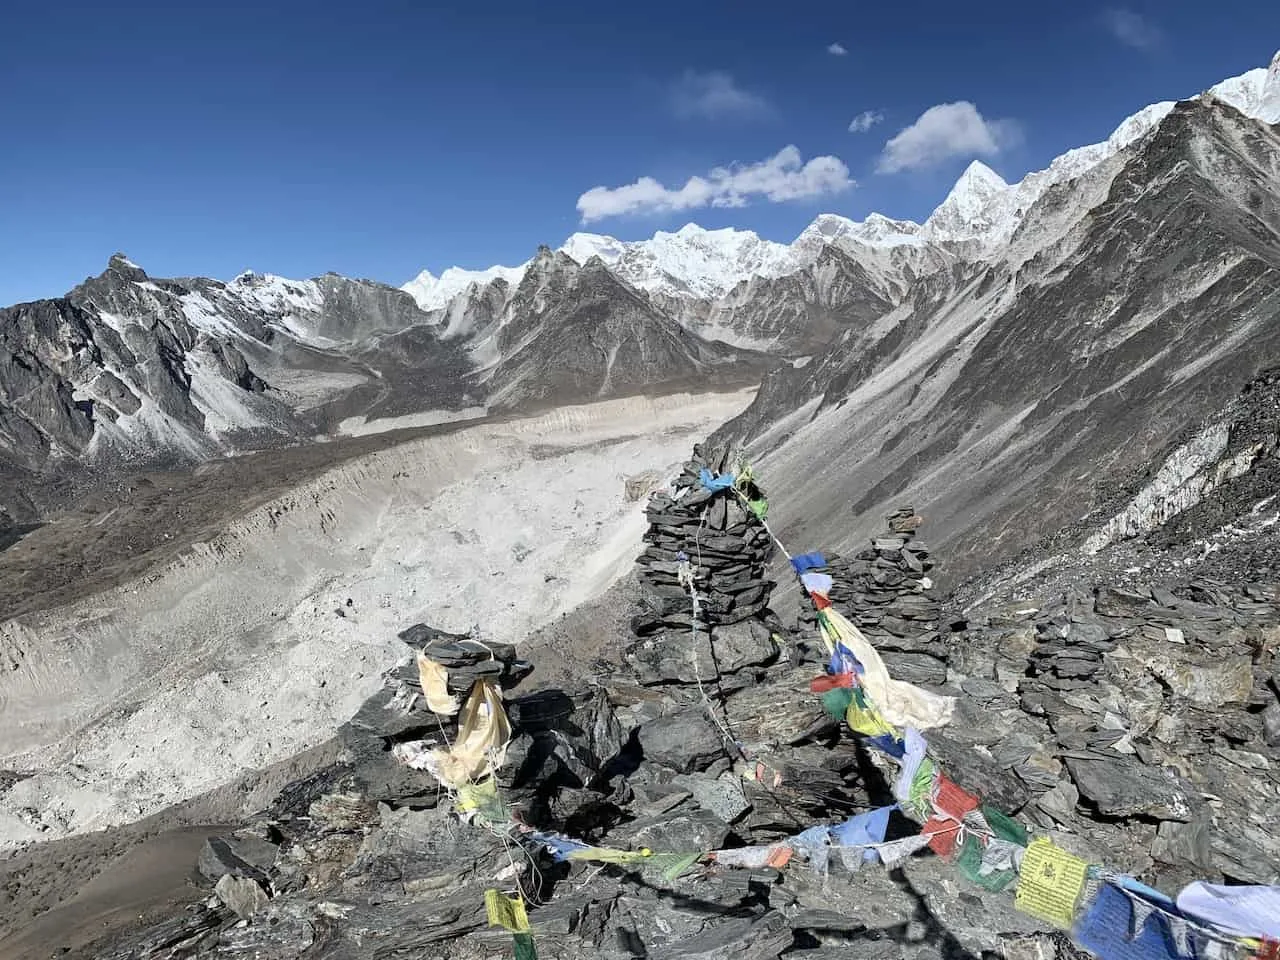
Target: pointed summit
[[974, 207], [121, 264], [976, 186]]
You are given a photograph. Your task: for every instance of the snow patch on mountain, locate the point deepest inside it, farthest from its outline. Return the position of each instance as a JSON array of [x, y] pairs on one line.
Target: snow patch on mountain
[[1256, 94], [277, 294], [690, 262], [434, 293]]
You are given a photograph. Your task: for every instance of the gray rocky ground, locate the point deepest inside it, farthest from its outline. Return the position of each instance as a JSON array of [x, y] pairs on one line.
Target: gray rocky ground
[[1138, 725]]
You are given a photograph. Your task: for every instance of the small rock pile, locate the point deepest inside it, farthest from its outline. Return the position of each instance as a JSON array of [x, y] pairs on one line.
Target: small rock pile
[[885, 590]]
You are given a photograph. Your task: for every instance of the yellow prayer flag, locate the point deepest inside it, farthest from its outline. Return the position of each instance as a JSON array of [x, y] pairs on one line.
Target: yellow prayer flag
[[1050, 883], [506, 911], [607, 855]]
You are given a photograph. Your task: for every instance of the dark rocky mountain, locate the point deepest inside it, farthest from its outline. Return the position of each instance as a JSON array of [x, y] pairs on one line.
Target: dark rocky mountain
[[131, 370], [570, 332], [797, 314], [1093, 358]]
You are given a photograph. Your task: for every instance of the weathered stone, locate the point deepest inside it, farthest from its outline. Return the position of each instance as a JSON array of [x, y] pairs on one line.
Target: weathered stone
[[723, 796], [218, 858], [242, 896], [1271, 725], [1209, 682], [350, 811], [1185, 843], [915, 667], [737, 938], [741, 645], [684, 742], [1124, 788], [682, 831], [1060, 801]]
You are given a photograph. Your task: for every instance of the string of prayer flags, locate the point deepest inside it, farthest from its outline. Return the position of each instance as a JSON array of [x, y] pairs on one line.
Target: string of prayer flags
[[1130, 921], [1051, 882], [900, 703]]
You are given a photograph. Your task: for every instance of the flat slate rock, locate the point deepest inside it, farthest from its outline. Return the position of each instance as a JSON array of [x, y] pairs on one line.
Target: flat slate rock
[[1119, 787]]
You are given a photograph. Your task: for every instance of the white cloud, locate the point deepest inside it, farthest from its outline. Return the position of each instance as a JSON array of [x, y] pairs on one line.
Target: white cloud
[[714, 95], [837, 50], [1132, 28], [865, 121], [945, 131], [784, 176]]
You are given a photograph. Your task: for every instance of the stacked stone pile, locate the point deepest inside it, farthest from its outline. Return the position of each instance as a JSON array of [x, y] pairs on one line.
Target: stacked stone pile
[[727, 550], [885, 589]]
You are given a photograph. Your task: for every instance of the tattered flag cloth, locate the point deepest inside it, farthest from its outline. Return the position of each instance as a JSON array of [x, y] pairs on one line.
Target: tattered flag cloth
[[913, 760], [807, 561], [900, 703], [559, 847], [711, 482], [434, 679], [817, 582], [483, 734], [1134, 922], [482, 800], [507, 912], [895, 851], [993, 862], [950, 804], [1050, 883], [858, 836], [776, 855], [1250, 911], [607, 855]]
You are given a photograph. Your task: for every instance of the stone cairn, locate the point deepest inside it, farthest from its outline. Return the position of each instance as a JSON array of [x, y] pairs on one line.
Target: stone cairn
[[717, 537], [885, 590]]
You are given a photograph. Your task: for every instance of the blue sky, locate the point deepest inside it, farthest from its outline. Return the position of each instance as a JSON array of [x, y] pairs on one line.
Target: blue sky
[[379, 138]]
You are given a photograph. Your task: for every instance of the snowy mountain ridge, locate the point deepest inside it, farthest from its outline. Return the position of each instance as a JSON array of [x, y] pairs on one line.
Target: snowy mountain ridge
[[981, 209]]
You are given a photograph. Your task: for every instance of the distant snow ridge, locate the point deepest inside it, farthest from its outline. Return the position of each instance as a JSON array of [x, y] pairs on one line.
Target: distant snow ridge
[[433, 293], [981, 213]]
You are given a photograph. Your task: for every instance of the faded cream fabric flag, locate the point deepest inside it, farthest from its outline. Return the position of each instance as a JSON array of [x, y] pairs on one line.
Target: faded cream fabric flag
[[483, 734], [435, 687], [899, 702]]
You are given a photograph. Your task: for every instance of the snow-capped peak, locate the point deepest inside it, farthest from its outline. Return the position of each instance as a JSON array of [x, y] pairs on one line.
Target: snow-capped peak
[[971, 210], [981, 209], [1256, 94], [581, 247], [432, 292]]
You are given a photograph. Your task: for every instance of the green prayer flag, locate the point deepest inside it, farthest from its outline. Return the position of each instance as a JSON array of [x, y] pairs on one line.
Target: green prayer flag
[[525, 949]]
